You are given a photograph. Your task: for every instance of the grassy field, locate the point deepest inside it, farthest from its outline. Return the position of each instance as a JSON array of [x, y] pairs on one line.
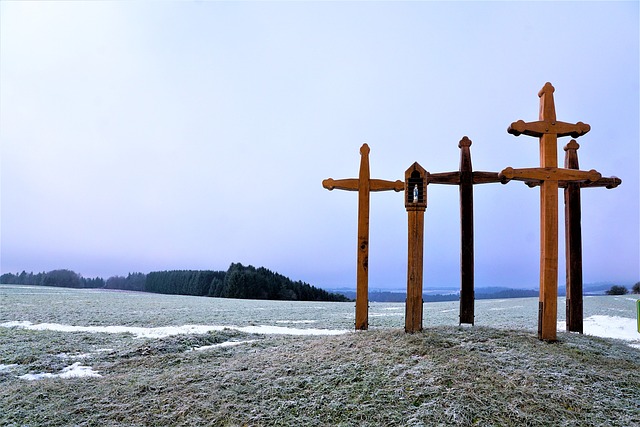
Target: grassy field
[[104, 358], [446, 375]]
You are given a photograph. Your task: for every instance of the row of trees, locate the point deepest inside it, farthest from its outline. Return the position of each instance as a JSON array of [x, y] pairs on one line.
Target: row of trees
[[62, 278], [622, 290], [183, 282], [238, 281]]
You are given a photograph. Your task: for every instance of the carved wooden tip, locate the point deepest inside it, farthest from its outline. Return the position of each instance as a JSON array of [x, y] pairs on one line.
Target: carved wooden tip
[[328, 184], [616, 181], [572, 145], [582, 129], [506, 175], [365, 150], [594, 175], [517, 128], [548, 88], [464, 142]]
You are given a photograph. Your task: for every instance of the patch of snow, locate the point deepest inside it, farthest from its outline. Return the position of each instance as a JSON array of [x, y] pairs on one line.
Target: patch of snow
[[7, 367], [296, 321], [162, 332], [74, 356], [505, 308], [74, 371], [222, 344], [279, 330], [385, 314], [622, 328]]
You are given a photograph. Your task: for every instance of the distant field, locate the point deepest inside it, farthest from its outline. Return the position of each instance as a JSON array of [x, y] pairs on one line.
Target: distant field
[[94, 357]]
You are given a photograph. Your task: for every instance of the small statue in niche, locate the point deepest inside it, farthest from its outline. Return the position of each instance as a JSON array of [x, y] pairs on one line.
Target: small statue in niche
[[415, 193]]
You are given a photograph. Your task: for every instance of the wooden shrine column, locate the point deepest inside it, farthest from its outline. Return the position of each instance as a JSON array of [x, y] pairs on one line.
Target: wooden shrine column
[[548, 129], [573, 235], [363, 185], [415, 201], [465, 179]]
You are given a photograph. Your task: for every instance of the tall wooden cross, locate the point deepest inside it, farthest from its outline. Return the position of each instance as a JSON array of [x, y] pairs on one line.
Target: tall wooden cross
[[573, 234], [465, 178], [363, 185], [548, 129]]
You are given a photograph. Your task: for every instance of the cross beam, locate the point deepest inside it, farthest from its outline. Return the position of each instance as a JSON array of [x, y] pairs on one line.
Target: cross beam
[[465, 178], [363, 185], [573, 234], [548, 129]]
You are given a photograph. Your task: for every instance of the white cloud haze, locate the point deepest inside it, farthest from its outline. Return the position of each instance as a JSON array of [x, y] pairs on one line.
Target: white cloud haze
[[143, 136]]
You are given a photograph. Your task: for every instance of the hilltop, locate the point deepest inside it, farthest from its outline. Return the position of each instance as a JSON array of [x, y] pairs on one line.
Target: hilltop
[[442, 376]]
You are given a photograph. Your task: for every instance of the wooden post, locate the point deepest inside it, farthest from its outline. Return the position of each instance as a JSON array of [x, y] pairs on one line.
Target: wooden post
[[573, 242], [573, 235], [415, 190], [363, 185], [548, 129], [465, 178]]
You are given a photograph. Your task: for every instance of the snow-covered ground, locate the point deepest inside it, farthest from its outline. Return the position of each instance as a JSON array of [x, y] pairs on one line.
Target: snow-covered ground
[[162, 332], [74, 371], [622, 328], [152, 316]]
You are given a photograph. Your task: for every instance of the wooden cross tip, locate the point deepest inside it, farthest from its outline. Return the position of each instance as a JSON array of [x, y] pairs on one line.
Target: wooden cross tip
[[572, 145], [505, 175], [517, 128], [328, 184], [594, 175], [615, 181], [582, 129], [464, 142], [547, 88], [365, 150]]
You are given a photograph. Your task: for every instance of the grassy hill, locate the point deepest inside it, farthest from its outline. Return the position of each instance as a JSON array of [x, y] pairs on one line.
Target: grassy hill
[[442, 376]]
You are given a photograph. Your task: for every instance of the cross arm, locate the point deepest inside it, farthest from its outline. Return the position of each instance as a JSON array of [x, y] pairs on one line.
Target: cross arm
[[608, 183], [486, 177], [453, 178], [349, 184], [448, 178], [382, 185], [539, 128], [548, 174]]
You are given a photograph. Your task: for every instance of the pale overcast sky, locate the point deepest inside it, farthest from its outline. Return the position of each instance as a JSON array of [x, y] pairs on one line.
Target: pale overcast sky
[[143, 136]]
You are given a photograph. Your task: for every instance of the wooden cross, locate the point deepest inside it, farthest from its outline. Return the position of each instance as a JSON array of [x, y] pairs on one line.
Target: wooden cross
[[573, 234], [548, 129], [465, 178], [363, 185]]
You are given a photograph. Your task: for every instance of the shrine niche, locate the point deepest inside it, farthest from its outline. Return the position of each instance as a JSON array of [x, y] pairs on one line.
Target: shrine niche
[[364, 185], [548, 129]]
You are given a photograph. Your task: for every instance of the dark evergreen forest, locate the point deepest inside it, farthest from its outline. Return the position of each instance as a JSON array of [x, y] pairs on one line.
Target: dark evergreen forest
[[239, 281]]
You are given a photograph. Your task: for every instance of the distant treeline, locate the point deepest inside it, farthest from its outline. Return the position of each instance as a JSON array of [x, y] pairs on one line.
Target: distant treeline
[[238, 281], [490, 293]]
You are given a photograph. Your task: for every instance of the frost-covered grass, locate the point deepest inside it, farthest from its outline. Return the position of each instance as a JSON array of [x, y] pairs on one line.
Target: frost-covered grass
[[444, 375], [108, 358]]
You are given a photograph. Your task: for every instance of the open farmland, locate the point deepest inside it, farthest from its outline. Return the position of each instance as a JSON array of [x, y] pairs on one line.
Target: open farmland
[[90, 357]]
